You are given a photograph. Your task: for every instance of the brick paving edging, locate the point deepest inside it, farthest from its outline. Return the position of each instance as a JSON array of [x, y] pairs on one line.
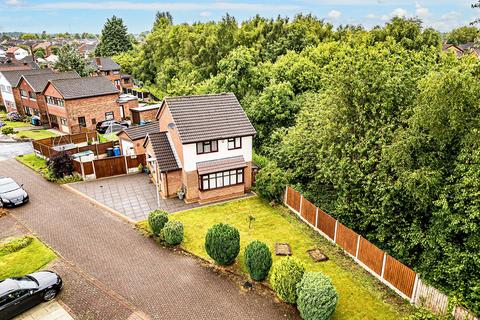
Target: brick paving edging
[[135, 313]]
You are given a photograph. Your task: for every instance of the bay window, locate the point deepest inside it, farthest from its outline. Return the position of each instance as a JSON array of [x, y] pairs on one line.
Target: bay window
[[221, 179]]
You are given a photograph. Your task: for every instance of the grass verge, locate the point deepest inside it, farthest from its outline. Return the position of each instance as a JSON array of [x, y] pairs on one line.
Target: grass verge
[[29, 259], [361, 295], [32, 161], [35, 134]]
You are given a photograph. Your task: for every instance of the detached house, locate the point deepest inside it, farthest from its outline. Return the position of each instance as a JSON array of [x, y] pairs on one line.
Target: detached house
[[82, 102], [107, 67], [16, 53], [203, 145], [31, 87]]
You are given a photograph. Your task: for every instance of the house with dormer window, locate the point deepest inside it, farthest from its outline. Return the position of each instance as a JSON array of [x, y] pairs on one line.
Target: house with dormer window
[[203, 146]]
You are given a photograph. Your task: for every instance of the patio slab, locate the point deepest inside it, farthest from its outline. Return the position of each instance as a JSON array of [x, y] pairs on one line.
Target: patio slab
[[46, 311], [132, 195]]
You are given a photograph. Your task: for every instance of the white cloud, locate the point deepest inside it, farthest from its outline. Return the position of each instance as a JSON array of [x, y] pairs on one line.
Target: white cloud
[[399, 12], [205, 14], [421, 12], [334, 14], [13, 2], [371, 16], [133, 5]]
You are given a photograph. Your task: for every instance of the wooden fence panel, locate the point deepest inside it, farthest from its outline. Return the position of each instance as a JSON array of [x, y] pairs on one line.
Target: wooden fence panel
[[135, 161], [347, 239], [460, 313], [290, 196], [102, 147], [399, 275], [296, 200], [431, 298], [77, 166], [326, 224], [308, 211], [370, 255], [110, 167]]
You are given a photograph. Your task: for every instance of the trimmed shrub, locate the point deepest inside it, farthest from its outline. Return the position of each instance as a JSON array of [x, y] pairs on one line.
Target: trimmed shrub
[[258, 260], [316, 296], [8, 130], [222, 243], [286, 274], [271, 181], [173, 232], [157, 220], [61, 165], [15, 245]]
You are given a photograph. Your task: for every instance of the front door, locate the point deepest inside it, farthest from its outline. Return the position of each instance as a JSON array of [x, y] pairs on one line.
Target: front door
[[122, 112]]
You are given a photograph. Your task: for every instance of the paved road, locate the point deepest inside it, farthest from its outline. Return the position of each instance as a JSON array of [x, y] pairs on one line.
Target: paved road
[[158, 282], [11, 150]]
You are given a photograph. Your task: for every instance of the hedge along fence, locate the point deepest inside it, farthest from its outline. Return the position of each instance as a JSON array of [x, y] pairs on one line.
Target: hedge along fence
[[387, 269]]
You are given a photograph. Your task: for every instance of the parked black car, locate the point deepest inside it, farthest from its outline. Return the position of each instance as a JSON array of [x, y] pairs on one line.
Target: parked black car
[[111, 125], [11, 194], [20, 294]]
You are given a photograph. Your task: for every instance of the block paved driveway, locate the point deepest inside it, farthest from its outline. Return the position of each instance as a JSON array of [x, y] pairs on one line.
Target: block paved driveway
[[133, 195], [155, 281]]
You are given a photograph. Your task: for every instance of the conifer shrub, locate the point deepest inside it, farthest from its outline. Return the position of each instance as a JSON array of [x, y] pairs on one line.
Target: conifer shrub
[[286, 274], [173, 232], [258, 260], [316, 296], [157, 220], [222, 243]]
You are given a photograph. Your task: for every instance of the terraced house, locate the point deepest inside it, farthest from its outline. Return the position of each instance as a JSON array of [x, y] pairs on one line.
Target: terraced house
[[31, 87], [81, 102], [203, 147]]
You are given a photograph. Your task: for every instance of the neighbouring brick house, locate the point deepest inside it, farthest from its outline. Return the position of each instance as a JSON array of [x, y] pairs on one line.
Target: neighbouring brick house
[[144, 113], [82, 102], [104, 66], [126, 103], [126, 81], [131, 139], [204, 145], [31, 87], [9, 87]]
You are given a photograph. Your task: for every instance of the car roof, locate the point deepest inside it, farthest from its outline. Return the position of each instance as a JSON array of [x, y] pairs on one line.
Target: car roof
[[6, 180], [12, 284]]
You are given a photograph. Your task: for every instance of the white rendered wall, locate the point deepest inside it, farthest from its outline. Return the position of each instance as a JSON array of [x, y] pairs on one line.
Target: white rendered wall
[[6, 96]]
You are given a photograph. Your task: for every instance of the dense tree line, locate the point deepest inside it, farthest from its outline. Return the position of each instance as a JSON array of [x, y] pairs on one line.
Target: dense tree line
[[379, 128]]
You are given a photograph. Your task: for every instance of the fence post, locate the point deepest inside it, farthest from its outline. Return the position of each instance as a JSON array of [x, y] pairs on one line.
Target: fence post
[[414, 292], [316, 217], [335, 234], [286, 195], [126, 164], [383, 264], [301, 203], [93, 166], [81, 166], [358, 246]]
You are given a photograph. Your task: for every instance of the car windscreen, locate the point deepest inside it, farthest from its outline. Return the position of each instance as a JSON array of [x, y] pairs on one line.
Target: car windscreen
[[8, 186]]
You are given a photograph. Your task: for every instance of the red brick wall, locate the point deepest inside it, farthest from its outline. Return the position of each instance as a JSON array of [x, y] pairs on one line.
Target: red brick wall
[[127, 106], [92, 108]]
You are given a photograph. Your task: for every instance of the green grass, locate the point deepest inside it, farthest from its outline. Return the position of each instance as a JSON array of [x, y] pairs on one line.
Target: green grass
[[32, 161], [361, 296], [27, 260], [107, 137], [35, 134], [16, 124]]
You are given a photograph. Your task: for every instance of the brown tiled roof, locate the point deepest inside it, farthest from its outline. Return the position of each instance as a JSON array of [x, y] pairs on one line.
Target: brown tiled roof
[[14, 76], [211, 166], [163, 151], [106, 64], [140, 132], [84, 87], [208, 117], [38, 82]]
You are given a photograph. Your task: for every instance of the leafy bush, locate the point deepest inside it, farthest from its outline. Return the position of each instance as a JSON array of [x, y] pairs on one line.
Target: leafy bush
[[286, 274], [222, 243], [70, 179], [61, 165], [15, 245], [258, 260], [173, 232], [316, 296], [157, 220], [8, 130], [48, 175], [271, 181]]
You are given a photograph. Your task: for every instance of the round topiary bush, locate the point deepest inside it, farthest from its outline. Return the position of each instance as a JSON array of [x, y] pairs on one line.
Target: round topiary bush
[[316, 296], [286, 274], [222, 243], [258, 260], [173, 232], [157, 220]]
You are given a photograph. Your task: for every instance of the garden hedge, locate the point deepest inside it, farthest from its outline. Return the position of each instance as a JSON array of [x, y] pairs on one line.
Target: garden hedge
[[222, 243]]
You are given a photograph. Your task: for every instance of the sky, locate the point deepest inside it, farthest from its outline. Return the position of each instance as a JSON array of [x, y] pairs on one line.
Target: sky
[[73, 16]]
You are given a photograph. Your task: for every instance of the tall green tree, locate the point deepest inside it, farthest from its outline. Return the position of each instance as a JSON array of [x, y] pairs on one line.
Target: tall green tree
[[114, 38], [462, 35], [69, 59]]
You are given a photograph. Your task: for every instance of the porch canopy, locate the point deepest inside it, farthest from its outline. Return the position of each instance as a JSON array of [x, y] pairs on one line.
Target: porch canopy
[[219, 165]]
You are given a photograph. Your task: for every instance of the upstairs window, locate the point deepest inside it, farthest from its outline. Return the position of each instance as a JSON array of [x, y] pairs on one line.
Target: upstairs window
[[23, 93], [55, 101], [207, 147], [234, 143], [32, 95]]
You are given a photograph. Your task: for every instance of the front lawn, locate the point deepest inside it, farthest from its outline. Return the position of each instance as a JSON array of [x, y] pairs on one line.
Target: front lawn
[[361, 296], [35, 134], [32, 161], [33, 257], [16, 124]]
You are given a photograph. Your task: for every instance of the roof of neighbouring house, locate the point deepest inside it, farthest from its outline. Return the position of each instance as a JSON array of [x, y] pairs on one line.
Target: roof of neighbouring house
[[84, 87], [38, 82], [140, 132], [13, 49], [104, 64], [211, 166], [167, 161], [208, 117], [14, 76]]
